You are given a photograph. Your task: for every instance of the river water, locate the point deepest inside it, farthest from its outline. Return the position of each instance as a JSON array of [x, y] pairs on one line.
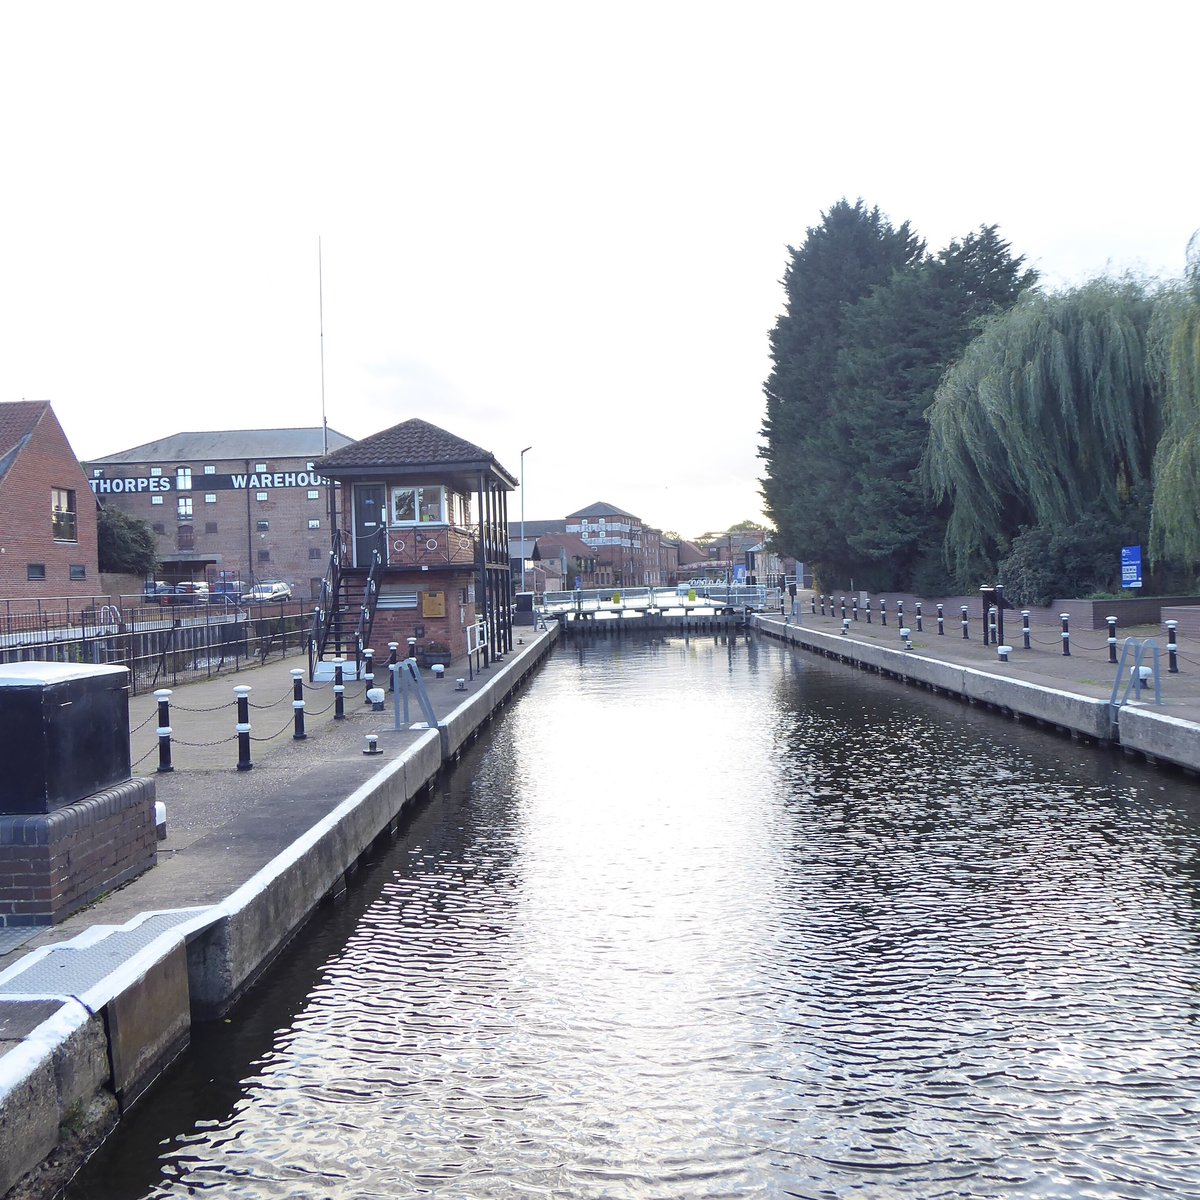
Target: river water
[[708, 919]]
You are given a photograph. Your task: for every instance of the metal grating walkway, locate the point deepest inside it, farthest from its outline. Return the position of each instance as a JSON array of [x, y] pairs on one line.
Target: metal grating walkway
[[69, 970]]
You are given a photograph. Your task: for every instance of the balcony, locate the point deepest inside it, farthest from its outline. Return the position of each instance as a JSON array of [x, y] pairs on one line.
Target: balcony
[[430, 546]]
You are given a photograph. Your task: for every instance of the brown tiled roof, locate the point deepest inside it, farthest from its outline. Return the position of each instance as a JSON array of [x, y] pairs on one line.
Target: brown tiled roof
[[411, 442], [548, 545], [18, 420]]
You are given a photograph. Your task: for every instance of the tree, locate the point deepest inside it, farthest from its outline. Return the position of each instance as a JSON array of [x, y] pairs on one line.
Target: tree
[[126, 544], [1175, 359], [897, 342], [1049, 414], [853, 250]]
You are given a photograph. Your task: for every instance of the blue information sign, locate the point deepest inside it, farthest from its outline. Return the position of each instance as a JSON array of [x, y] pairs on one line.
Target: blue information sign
[[1131, 566]]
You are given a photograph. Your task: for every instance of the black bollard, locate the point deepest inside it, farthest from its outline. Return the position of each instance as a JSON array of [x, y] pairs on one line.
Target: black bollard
[[854, 606], [1172, 648], [393, 657], [991, 631], [1066, 634], [899, 612], [1026, 633], [843, 610], [368, 674], [965, 625], [164, 731], [242, 729], [868, 610], [920, 622], [339, 691], [298, 705], [941, 620], [883, 612], [822, 604], [1112, 639], [812, 603]]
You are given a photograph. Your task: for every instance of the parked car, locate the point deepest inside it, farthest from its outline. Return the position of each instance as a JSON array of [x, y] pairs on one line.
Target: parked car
[[190, 592], [155, 591], [227, 591], [267, 593]]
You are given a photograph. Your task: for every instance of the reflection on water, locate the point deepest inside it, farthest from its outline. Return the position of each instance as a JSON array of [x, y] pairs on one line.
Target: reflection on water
[[703, 919]]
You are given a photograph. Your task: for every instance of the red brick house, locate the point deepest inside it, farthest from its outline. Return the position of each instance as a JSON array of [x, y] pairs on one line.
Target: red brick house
[[423, 544], [47, 512]]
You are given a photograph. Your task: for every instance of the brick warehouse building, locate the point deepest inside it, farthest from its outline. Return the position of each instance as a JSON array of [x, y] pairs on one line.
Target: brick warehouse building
[[47, 514], [243, 504]]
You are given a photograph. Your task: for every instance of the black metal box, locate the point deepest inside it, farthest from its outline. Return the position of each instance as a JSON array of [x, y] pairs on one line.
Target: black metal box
[[64, 733]]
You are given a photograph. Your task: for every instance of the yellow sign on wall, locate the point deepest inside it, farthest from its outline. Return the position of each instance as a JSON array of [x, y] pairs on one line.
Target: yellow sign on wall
[[433, 604]]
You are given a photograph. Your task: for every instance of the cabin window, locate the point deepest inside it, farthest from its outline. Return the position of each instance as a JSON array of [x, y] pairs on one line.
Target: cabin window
[[418, 505]]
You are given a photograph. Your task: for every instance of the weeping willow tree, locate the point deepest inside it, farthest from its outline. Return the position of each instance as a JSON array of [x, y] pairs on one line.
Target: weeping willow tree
[[1175, 357], [1048, 415]]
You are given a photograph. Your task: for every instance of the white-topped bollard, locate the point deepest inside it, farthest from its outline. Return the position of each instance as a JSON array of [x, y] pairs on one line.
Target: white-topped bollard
[[845, 625], [1140, 675], [438, 670], [1002, 653], [372, 746], [460, 685], [906, 637], [376, 696], [160, 820]]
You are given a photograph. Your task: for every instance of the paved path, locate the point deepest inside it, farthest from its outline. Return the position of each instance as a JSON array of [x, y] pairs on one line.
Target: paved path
[[224, 824], [1085, 672]]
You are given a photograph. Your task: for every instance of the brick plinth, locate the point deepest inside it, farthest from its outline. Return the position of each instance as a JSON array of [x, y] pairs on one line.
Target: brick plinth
[[52, 864]]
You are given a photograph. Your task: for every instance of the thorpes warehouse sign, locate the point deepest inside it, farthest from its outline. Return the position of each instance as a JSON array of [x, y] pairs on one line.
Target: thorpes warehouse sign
[[209, 483]]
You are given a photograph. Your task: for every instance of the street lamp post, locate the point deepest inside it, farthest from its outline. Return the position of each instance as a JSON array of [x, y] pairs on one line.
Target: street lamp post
[[523, 555]]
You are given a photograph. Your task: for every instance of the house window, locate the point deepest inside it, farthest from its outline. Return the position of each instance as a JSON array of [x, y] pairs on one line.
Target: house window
[[184, 508], [313, 494], [97, 472], [183, 479], [418, 505], [209, 469], [156, 499], [314, 522], [314, 552], [210, 497], [63, 516], [264, 556], [155, 472], [260, 495], [260, 467], [35, 572], [262, 526], [78, 571]]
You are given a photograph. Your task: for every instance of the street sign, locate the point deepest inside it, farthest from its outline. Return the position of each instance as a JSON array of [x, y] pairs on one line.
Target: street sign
[[1131, 566]]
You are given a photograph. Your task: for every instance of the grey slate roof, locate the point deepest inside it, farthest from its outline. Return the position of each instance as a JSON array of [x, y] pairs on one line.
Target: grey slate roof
[[601, 509], [308, 443], [411, 443]]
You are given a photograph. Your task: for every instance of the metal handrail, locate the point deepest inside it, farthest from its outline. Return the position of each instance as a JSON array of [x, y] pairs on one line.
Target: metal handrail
[[1135, 678]]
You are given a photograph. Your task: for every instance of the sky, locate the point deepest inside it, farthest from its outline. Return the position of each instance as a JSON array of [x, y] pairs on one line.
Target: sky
[[559, 226]]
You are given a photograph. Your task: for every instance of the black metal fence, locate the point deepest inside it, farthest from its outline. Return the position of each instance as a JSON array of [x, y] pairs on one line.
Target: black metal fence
[[161, 647]]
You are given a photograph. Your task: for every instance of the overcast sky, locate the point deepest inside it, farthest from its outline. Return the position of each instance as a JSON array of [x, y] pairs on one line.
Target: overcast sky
[[558, 225]]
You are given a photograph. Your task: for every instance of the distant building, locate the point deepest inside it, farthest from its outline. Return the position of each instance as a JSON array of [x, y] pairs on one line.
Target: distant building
[[47, 514], [616, 536], [244, 504]]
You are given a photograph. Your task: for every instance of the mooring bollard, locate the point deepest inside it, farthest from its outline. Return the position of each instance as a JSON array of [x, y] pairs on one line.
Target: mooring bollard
[[854, 607], [812, 603], [843, 608], [822, 604], [1002, 653], [376, 697], [900, 612], [412, 647], [163, 696], [845, 625], [920, 622], [882, 612], [1025, 630], [298, 705], [1066, 634], [339, 691], [965, 624], [906, 638], [868, 610], [393, 658], [372, 743], [1140, 675], [1172, 648], [242, 728], [941, 620], [992, 633], [439, 671], [1112, 639], [368, 673]]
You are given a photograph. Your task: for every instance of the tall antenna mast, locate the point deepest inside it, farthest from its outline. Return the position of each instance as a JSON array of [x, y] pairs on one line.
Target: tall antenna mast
[[321, 321]]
